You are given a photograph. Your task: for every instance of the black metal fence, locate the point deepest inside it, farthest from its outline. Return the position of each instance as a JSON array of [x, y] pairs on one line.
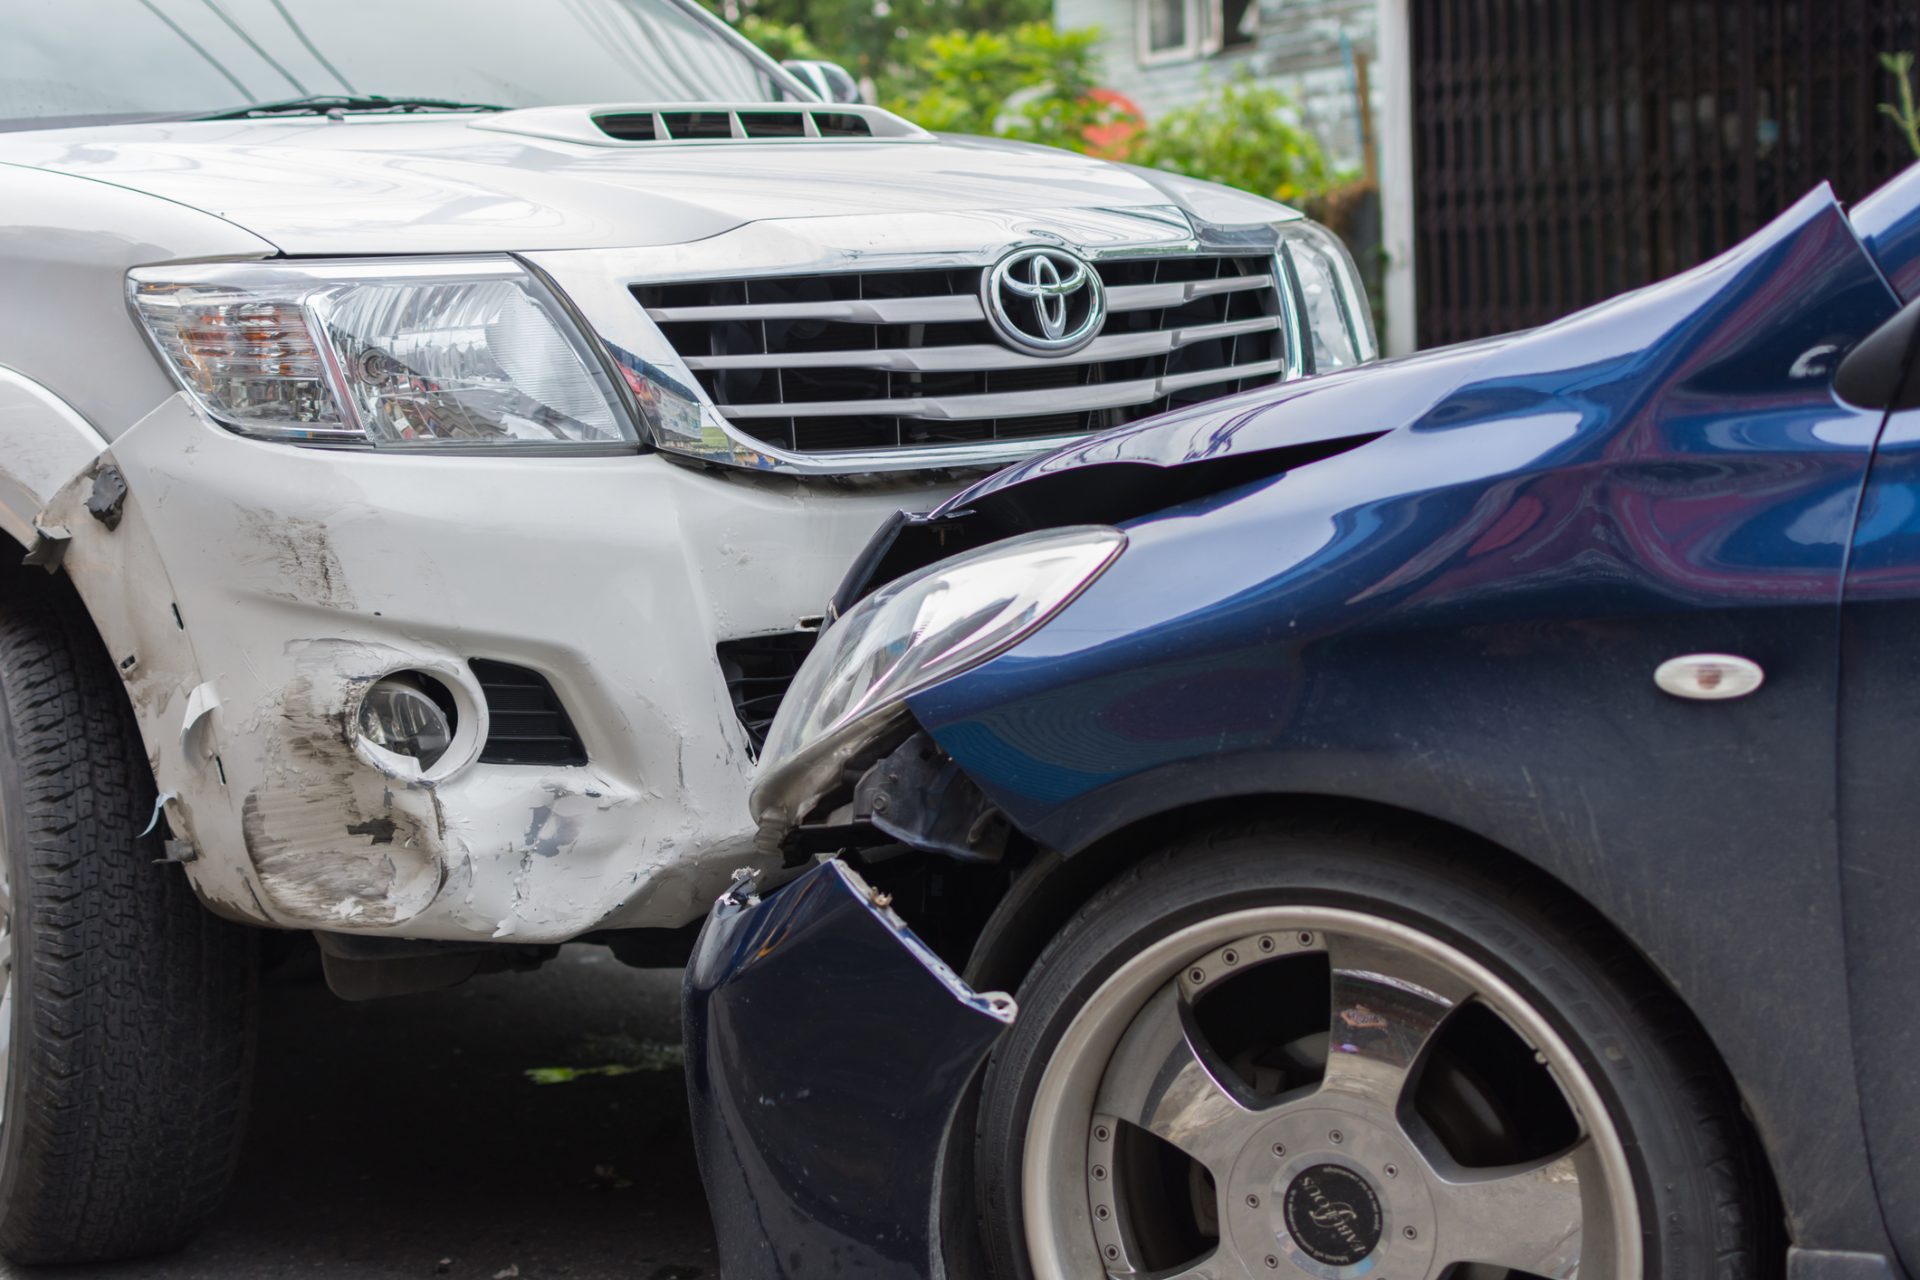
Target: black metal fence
[[1566, 150]]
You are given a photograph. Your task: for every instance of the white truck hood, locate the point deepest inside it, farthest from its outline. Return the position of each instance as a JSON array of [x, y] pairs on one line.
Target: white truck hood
[[439, 184]]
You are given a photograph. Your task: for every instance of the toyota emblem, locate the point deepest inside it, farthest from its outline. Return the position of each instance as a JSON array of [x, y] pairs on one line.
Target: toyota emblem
[[1045, 302]]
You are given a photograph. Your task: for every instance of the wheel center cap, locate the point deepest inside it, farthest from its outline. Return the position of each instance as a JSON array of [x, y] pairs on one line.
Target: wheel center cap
[[1333, 1214]]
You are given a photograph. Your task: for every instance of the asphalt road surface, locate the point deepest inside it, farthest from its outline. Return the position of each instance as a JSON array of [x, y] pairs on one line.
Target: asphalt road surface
[[403, 1138]]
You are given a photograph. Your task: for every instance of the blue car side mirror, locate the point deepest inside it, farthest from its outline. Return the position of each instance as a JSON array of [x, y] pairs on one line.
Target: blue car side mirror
[[1883, 372]]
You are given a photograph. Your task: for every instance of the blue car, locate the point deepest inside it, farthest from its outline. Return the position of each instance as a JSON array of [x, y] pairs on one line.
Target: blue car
[[1454, 818]]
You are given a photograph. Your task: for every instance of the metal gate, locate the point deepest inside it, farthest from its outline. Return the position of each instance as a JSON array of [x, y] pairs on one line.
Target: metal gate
[[1565, 150]]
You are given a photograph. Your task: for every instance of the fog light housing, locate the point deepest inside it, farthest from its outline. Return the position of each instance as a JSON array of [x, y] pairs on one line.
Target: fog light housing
[[398, 714]]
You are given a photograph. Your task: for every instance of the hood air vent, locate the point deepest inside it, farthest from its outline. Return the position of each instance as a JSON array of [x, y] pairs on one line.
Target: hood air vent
[[703, 124]]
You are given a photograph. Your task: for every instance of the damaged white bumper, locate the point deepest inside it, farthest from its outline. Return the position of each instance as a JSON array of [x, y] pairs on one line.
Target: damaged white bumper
[[251, 591]]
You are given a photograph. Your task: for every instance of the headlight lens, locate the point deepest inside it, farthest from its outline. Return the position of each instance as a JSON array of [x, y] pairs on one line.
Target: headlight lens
[[915, 632], [1334, 311], [432, 352]]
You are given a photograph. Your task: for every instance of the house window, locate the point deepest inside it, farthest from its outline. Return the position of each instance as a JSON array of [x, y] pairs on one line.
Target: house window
[[1173, 30], [1239, 23], [1169, 29]]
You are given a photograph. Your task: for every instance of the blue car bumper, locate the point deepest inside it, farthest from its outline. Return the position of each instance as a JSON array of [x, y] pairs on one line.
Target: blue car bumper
[[828, 1051]]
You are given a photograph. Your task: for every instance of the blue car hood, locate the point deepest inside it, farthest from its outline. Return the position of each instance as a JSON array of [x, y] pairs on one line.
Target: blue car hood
[[1689, 340], [1365, 399], [1889, 222], [1439, 388]]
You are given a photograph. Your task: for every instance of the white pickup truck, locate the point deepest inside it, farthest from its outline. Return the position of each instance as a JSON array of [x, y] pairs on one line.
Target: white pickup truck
[[427, 430]]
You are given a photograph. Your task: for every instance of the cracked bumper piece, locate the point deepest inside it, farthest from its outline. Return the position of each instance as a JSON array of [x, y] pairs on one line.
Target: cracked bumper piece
[[251, 592], [827, 1054]]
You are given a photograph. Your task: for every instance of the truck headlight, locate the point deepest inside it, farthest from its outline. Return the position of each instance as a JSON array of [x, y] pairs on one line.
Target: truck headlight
[[909, 635], [1325, 287], [436, 352]]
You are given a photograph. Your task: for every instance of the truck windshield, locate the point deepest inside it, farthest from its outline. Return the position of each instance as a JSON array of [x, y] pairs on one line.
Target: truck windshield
[[72, 62]]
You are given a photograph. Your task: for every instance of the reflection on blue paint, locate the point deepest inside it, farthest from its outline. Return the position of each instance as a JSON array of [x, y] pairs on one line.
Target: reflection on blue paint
[[1660, 456]]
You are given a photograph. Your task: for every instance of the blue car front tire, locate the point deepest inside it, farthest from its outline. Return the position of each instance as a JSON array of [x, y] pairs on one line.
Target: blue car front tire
[[1277, 1052]]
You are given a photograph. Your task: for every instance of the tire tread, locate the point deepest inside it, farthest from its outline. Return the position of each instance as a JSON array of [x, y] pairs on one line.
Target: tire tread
[[1748, 1238], [133, 1048]]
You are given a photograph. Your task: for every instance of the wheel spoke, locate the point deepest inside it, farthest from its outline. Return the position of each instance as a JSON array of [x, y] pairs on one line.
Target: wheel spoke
[[1387, 1003], [1530, 1218], [1157, 1080], [1221, 1264]]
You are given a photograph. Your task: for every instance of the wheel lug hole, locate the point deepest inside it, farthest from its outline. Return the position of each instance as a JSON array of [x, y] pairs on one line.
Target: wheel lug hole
[[1253, 1202], [1195, 975], [1280, 1149], [1392, 1171], [1101, 1212], [1230, 956], [1101, 1133], [1266, 944], [1113, 1250], [1333, 1135], [1099, 1173], [1410, 1232], [1306, 940], [1273, 1263]]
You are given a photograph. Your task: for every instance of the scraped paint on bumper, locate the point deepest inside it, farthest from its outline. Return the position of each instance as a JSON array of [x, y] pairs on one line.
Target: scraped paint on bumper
[[250, 592], [828, 1051]]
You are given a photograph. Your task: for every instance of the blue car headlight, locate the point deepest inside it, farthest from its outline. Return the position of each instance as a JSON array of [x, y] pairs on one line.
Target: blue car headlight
[[909, 635]]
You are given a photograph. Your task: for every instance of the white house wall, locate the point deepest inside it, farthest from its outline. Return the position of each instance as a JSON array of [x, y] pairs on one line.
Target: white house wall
[[1298, 49]]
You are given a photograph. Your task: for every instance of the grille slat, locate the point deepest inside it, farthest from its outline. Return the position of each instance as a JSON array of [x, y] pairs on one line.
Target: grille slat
[[758, 671], [526, 722], [860, 311], [1144, 297], [1138, 297], [984, 356], [879, 360], [1114, 395]]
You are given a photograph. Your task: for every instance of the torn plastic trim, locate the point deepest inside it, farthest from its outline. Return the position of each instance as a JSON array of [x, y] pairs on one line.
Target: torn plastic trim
[[109, 496], [994, 1004], [921, 796], [49, 549], [819, 1029], [93, 530], [916, 795], [834, 878]]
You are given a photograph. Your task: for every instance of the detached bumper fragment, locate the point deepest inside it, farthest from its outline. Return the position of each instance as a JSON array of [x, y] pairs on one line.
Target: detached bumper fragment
[[827, 1052]]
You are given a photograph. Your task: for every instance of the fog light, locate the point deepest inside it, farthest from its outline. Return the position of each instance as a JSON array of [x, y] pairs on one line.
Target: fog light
[[398, 715]]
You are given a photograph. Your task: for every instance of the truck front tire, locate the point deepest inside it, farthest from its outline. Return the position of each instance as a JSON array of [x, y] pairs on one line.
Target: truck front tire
[[127, 1010]]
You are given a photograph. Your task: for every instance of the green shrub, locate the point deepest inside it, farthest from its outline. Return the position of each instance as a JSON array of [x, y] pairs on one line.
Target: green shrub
[[1904, 114], [781, 40], [1249, 136], [1036, 83], [872, 37], [1033, 82]]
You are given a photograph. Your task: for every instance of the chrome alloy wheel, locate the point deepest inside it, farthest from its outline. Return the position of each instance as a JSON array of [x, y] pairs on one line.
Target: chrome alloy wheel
[[1360, 1147]]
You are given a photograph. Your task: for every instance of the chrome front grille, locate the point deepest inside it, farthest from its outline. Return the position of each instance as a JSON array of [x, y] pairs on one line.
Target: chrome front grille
[[879, 360]]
